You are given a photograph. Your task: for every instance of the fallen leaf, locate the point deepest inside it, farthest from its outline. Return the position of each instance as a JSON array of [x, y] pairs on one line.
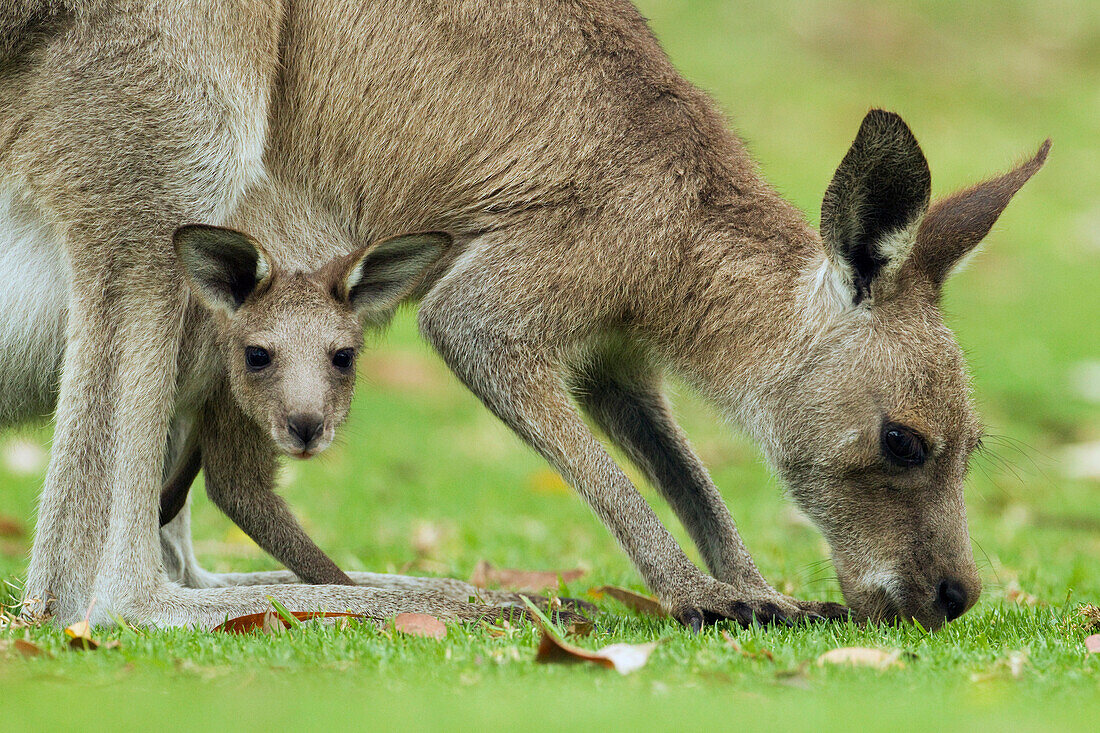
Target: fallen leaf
[[270, 622], [80, 636], [1092, 643], [420, 624], [862, 657], [636, 601], [11, 527], [533, 581], [22, 647], [623, 658]]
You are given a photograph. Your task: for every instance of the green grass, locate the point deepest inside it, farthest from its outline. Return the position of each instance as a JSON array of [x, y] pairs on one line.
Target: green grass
[[982, 85]]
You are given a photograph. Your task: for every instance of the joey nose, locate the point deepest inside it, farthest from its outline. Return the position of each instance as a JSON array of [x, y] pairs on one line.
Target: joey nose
[[305, 428], [951, 598]]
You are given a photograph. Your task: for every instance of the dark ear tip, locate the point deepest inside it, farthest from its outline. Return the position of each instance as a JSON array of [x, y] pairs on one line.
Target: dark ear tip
[[1044, 151], [183, 231], [883, 119], [443, 239]]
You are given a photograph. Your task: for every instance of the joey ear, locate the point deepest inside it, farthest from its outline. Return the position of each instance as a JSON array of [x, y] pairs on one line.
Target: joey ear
[[223, 266], [878, 194], [374, 280], [954, 226]]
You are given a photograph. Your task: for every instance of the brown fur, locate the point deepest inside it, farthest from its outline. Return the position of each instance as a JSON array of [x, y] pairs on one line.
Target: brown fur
[[608, 229]]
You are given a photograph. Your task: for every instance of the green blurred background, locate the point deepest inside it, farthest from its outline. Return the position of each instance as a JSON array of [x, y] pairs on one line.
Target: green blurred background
[[425, 480]]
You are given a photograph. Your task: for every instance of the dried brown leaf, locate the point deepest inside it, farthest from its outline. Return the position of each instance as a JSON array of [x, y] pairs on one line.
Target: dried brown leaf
[[636, 601], [11, 527], [270, 622], [862, 657], [1092, 644], [420, 624], [22, 647], [80, 636], [623, 658], [532, 581], [27, 648]]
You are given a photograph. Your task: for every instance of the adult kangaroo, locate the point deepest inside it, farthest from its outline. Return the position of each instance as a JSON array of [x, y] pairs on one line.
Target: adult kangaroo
[[608, 229]]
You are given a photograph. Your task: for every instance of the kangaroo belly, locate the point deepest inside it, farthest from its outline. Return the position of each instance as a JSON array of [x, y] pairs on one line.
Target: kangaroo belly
[[34, 293]]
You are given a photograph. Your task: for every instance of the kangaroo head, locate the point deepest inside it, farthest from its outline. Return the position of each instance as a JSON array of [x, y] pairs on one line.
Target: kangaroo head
[[878, 426], [289, 339]]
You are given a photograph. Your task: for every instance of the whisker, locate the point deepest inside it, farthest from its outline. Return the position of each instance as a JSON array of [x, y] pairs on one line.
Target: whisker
[[988, 560]]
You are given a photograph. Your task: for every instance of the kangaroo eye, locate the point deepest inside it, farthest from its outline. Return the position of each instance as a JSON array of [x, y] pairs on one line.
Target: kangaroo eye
[[256, 358], [343, 359], [902, 446]]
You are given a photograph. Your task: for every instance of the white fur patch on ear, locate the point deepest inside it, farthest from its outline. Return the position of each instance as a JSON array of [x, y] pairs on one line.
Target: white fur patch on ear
[[263, 267], [831, 287], [355, 275], [896, 247]]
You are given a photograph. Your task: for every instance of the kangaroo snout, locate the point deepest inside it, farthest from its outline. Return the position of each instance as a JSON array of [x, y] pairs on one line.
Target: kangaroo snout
[[305, 432], [931, 601], [948, 598], [952, 598]]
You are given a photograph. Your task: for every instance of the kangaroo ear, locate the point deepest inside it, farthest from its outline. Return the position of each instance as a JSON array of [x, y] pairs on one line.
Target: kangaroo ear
[[374, 280], [223, 266], [874, 202], [956, 225]]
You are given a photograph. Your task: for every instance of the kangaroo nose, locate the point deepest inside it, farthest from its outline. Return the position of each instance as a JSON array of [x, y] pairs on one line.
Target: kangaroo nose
[[306, 428], [951, 598]]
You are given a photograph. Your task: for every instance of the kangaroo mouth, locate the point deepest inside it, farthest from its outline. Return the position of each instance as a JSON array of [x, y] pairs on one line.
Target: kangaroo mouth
[[880, 608]]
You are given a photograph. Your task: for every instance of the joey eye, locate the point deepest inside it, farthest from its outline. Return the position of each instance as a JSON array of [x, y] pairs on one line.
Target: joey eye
[[343, 359], [256, 358], [902, 446]]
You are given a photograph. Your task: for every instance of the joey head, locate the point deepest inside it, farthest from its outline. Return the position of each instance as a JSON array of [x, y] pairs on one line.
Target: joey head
[[288, 341]]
